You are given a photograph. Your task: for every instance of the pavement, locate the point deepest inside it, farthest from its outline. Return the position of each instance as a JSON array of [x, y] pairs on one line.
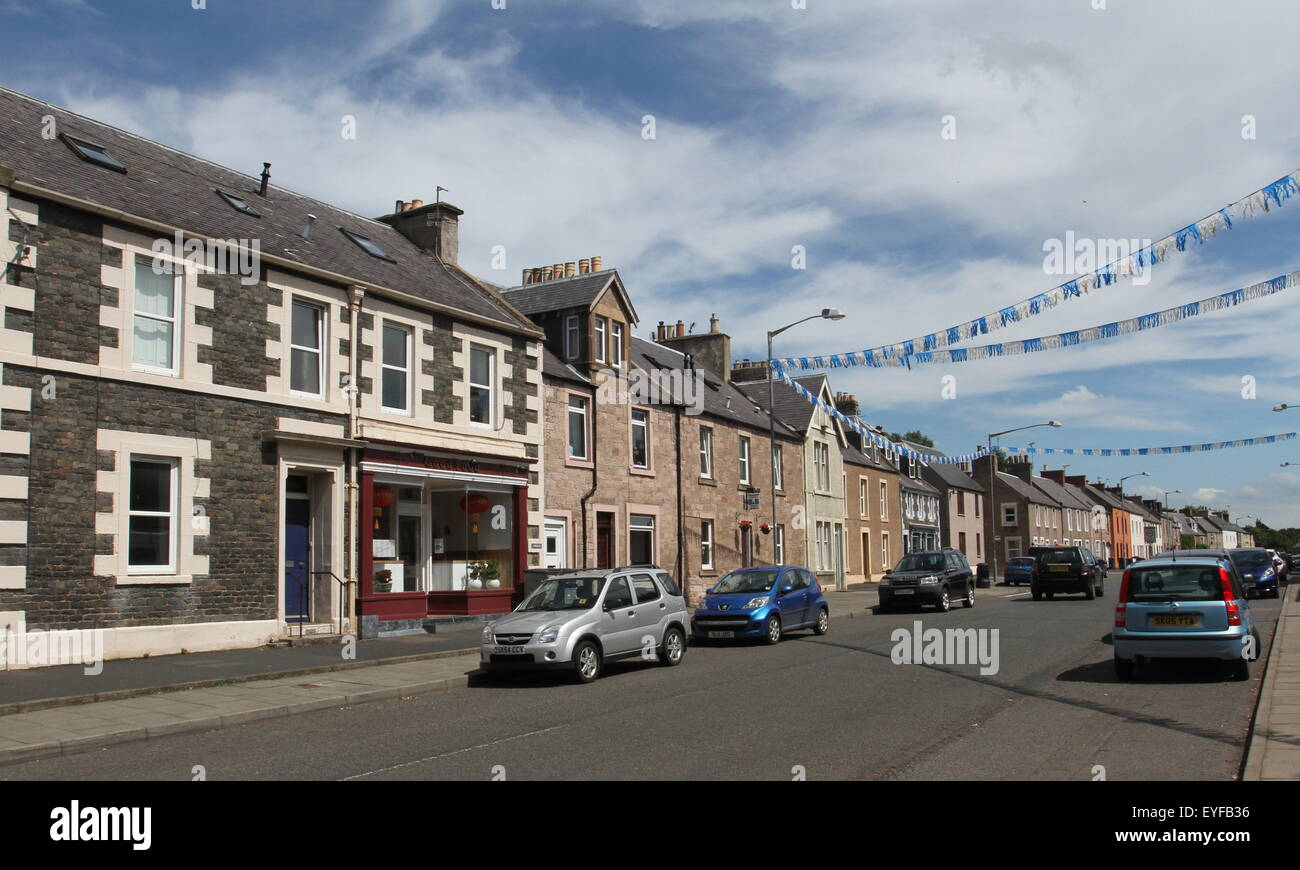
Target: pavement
[[1274, 752], [239, 689]]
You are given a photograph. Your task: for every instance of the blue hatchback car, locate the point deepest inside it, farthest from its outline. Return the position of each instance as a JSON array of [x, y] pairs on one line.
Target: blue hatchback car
[[1257, 569], [762, 603]]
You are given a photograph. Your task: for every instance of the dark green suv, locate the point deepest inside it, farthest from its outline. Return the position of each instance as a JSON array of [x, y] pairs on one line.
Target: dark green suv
[[1067, 569]]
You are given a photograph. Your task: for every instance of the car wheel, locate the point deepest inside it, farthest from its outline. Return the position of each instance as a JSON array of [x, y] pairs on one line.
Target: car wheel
[[823, 621], [1037, 593], [773, 634], [586, 661], [1241, 670], [1123, 668], [944, 602], [969, 600], [1089, 593], [673, 647], [1050, 595], [1101, 589]]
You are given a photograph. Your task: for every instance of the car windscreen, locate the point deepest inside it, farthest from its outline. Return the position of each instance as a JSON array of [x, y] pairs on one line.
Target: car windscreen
[[1022, 562], [1060, 557], [1175, 583], [747, 580], [921, 562], [565, 593], [1256, 559]]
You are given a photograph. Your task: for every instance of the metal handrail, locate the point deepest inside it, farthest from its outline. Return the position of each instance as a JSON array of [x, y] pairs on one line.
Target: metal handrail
[[345, 587]]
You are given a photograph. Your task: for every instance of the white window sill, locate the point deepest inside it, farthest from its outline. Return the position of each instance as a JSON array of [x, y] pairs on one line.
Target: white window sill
[[154, 579]]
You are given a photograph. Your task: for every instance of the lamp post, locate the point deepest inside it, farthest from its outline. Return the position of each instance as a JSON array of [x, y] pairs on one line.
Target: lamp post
[[1284, 406], [1169, 492], [827, 314], [1285, 464], [1121, 495], [992, 507]]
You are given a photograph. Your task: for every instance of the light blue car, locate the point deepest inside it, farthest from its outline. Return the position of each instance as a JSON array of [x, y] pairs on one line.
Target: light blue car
[[1184, 607]]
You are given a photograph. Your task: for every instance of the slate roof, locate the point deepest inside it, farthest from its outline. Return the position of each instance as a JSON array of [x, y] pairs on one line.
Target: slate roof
[[1059, 495], [554, 367], [791, 408], [576, 292], [1104, 497], [170, 187], [951, 476], [1024, 490], [721, 399]]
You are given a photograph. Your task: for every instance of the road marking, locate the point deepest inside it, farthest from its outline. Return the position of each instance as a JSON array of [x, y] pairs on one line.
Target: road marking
[[450, 754]]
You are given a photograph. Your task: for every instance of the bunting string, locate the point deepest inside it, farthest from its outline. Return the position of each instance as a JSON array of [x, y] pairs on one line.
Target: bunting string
[[1143, 322], [1152, 451], [1199, 232]]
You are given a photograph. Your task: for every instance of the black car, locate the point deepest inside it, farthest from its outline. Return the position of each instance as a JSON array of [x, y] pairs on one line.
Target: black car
[[936, 577], [1067, 569]]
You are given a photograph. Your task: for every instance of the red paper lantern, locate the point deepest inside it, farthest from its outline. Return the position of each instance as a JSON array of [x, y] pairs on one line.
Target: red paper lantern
[[384, 497], [475, 503]]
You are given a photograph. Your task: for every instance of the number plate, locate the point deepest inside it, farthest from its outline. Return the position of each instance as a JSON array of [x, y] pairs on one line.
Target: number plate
[[904, 591], [509, 650], [1185, 621], [1061, 568], [721, 635]]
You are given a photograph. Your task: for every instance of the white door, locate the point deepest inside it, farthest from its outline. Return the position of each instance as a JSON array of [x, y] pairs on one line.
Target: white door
[[555, 546]]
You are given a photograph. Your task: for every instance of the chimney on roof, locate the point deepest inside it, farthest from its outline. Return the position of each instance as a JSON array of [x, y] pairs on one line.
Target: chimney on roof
[[713, 323], [1056, 475], [570, 269], [747, 371], [595, 264], [846, 403], [266, 179], [1021, 467], [434, 228], [584, 265], [1077, 480], [712, 350], [307, 225]]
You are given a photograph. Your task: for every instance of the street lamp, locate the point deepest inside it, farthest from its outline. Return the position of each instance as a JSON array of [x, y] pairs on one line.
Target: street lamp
[[1122, 479], [1285, 464], [1284, 406], [1169, 492], [827, 314], [993, 523]]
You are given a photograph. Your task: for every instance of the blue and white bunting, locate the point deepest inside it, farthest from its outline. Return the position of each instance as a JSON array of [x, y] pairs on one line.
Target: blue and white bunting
[[1260, 202], [1141, 323], [1152, 451]]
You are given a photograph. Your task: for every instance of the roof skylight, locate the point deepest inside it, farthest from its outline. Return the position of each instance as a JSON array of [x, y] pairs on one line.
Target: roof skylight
[[238, 203], [367, 245], [92, 153]]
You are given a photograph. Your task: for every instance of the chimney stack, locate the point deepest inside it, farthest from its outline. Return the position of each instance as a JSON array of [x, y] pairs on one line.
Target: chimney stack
[[713, 324], [846, 403], [434, 228]]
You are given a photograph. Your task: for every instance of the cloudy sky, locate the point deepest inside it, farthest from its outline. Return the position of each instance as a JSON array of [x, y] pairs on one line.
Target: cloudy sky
[[775, 127]]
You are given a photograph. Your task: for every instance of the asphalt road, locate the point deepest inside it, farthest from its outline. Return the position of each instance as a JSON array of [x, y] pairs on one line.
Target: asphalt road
[[821, 707]]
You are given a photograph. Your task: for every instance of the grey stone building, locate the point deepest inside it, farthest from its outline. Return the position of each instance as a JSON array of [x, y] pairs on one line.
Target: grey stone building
[[228, 410]]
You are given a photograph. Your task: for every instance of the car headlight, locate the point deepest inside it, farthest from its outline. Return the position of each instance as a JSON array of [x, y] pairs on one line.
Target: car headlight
[[757, 602], [929, 581], [549, 634], [884, 581], [1268, 572], [488, 635]]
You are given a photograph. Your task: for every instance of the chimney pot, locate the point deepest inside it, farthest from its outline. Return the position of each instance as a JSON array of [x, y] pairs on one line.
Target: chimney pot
[[570, 269], [595, 264], [528, 277], [584, 266], [416, 203], [546, 273], [681, 329], [713, 323], [399, 206]]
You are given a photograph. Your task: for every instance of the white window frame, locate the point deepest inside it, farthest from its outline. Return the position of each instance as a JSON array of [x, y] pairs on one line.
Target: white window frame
[[1015, 513], [616, 343], [178, 301], [778, 544], [406, 370], [706, 452], [572, 336], [173, 515], [602, 330], [862, 497], [778, 477], [490, 386], [743, 458], [706, 545], [884, 551], [585, 413], [631, 444], [884, 500], [321, 321]]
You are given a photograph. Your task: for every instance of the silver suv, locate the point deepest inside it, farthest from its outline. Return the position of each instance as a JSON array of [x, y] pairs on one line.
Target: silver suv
[[580, 620]]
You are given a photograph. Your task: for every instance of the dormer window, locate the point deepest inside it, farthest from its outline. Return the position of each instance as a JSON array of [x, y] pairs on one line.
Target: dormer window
[[367, 245], [92, 153], [238, 203]]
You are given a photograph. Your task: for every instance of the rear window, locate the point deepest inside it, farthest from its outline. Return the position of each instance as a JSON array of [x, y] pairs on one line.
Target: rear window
[[1252, 560], [668, 583], [1175, 583], [1022, 561], [1060, 557]]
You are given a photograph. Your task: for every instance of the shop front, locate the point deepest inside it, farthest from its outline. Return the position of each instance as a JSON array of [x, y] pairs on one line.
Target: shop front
[[441, 535]]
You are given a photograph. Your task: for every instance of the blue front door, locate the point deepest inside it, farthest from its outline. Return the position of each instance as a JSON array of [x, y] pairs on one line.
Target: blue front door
[[297, 515]]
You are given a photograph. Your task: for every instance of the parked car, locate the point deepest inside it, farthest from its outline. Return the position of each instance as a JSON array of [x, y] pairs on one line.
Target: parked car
[[1258, 571], [762, 603], [1180, 607], [1068, 569], [937, 577], [1279, 564], [580, 620], [1021, 569]]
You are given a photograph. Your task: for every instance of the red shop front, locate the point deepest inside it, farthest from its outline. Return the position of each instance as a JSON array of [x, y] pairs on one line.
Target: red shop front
[[441, 534]]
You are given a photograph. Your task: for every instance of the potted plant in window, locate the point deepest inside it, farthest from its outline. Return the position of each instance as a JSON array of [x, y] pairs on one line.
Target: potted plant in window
[[384, 580], [484, 574]]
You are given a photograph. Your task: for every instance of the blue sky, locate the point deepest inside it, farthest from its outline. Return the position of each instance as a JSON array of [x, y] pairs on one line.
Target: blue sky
[[776, 127]]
